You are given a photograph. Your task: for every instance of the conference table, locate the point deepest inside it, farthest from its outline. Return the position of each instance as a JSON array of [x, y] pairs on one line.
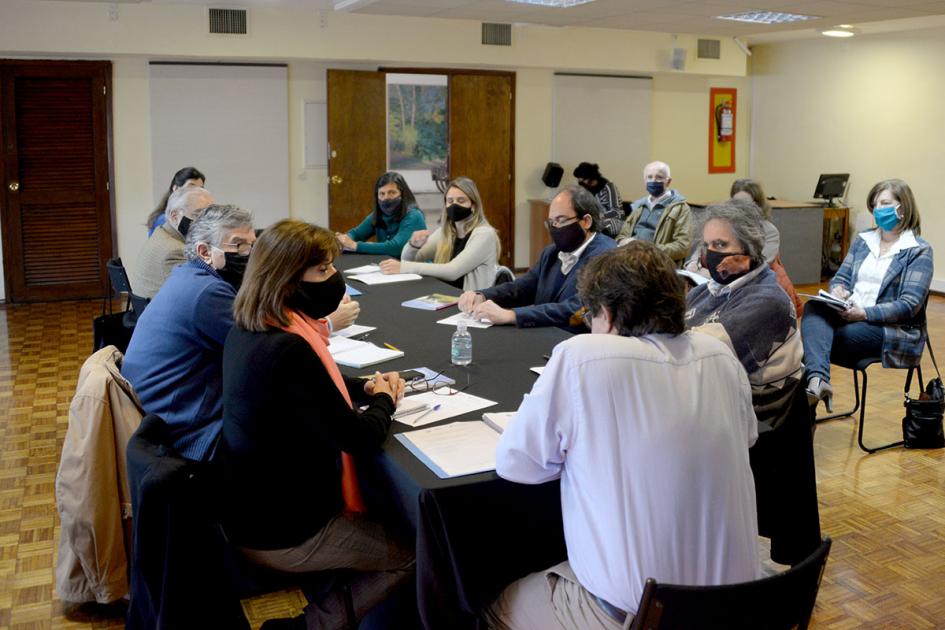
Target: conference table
[[475, 534]]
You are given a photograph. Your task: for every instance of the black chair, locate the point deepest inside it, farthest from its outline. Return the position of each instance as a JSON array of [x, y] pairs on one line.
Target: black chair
[[782, 601], [859, 393], [503, 274], [118, 278]]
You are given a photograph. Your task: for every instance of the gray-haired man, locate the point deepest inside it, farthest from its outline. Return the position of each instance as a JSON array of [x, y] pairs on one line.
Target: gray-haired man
[[175, 358], [164, 249]]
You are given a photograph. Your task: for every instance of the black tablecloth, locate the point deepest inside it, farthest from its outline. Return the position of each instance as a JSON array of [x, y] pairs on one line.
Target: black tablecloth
[[476, 534]]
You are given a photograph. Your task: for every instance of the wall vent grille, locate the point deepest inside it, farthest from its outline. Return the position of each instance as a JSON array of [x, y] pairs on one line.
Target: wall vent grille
[[496, 34], [228, 21]]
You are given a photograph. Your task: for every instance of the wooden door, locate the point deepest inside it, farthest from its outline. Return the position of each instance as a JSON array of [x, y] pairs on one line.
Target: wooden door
[[481, 146], [357, 144], [55, 200]]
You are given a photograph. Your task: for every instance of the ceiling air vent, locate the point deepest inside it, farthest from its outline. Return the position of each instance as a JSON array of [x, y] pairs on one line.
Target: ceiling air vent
[[228, 21], [710, 49], [496, 34]]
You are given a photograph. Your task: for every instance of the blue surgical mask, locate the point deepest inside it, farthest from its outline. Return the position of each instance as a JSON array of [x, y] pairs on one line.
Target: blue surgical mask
[[887, 217], [656, 189]]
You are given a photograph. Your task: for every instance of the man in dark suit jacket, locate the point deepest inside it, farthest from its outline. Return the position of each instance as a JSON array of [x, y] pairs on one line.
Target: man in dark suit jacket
[[547, 294]]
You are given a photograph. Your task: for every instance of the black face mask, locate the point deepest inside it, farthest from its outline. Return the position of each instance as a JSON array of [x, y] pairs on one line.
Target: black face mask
[[568, 238], [713, 259], [456, 212], [593, 189], [234, 269], [184, 225], [318, 299], [389, 206]]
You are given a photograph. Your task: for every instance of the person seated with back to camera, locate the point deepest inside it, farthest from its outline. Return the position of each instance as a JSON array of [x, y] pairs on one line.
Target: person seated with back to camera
[[611, 206], [395, 217], [886, 277], [744, 306], [652, 458], [464, 251], [547, 294], [292, 429]]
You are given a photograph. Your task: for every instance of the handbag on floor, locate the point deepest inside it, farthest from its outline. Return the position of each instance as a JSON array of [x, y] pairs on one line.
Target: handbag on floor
[[922, 424]]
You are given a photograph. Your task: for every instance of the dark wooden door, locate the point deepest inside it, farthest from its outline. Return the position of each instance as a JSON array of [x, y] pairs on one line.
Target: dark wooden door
[[357, 144], [55, 200], [481, 146]]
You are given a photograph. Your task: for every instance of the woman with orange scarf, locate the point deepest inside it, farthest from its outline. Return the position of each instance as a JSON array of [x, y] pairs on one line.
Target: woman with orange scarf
[[292, 430]]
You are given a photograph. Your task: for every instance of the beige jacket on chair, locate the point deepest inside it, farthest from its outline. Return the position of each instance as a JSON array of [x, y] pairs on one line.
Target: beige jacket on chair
[[92, 493]]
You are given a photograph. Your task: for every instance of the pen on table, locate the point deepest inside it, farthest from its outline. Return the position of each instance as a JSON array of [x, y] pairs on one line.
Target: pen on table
[[414, 421], [391, 347]]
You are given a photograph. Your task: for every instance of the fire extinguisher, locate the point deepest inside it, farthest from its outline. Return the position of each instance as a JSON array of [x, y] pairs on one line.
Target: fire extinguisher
[[724, 121]]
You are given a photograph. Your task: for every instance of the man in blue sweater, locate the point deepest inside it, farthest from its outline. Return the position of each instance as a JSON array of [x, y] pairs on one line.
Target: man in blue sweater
[[547, 294], [175, 358]]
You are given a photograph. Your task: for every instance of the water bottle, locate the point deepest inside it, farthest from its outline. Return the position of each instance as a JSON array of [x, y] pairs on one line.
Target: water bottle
[[461, 346]]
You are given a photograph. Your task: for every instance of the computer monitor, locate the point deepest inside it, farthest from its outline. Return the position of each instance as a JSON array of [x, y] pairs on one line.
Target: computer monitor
[[832, 186]]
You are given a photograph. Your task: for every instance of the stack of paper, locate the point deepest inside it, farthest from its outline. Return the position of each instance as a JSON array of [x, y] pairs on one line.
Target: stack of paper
[[498, 420], [354, 330], [359, 354], [382, 278], [454, 320], [364, 269], [452, 450]]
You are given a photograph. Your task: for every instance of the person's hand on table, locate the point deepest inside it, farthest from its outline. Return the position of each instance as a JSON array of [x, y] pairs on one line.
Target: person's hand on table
[[839, 292], [469, 300], [346, 242], [347, 311], [389, 383], [419, 238], [390, 266], [853, 314], [494, 313]]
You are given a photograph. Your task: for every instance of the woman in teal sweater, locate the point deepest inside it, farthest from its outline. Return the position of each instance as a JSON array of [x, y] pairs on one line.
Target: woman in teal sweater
[[395, 217]]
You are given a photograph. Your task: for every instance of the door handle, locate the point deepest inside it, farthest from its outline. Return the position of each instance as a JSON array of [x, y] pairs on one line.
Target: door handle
[[336, 179], [14, 186]]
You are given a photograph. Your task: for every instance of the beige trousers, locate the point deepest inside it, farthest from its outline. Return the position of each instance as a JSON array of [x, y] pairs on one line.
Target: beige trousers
[[550, 600], [358, 544]]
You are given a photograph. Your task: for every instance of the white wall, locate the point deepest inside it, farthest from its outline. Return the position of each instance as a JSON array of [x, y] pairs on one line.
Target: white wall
[[870, 106], [310, 43]]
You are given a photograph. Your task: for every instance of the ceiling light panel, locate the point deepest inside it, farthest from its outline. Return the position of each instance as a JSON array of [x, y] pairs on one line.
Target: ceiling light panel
[[766, 17], [558, 4]]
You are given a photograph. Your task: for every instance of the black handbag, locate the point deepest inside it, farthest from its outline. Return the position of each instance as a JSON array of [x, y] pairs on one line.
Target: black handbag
[[110, 328], [922, 424]]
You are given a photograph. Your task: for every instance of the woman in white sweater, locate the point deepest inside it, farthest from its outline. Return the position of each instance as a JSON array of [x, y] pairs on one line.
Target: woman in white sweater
[[463, 251]]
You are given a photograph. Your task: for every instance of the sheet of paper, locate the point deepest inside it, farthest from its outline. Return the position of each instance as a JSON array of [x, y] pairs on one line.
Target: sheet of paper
[[443, 407], [537, 370], [454, 320], [381, 278], [342, 343], [364, 269], [455, 449], [366, 355], [354, 330]]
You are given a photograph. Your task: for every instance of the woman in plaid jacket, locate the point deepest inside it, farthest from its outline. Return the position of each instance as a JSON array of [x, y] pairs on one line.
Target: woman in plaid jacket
[[885, 280]]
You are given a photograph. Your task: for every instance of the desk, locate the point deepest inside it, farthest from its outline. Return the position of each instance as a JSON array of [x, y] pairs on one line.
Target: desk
[[476, 534]]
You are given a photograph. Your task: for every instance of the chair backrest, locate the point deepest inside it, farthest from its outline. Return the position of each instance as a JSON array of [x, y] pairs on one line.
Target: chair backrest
[[778, 602], [503, 274], [117, 276]]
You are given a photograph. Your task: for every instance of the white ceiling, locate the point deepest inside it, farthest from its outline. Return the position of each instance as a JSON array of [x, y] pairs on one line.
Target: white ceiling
[[669, 16]]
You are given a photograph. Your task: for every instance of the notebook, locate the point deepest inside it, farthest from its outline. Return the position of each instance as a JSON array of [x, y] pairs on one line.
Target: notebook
[[359, 354], [829, 299], [432, 302], [498, 420], [455, 449]]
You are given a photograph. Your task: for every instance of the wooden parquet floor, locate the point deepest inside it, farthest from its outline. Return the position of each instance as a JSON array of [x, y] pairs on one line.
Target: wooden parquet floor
[[885, 512]]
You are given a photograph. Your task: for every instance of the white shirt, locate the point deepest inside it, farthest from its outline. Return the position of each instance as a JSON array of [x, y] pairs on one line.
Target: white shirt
[[650, 438], [869, 278], [569, 259]]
